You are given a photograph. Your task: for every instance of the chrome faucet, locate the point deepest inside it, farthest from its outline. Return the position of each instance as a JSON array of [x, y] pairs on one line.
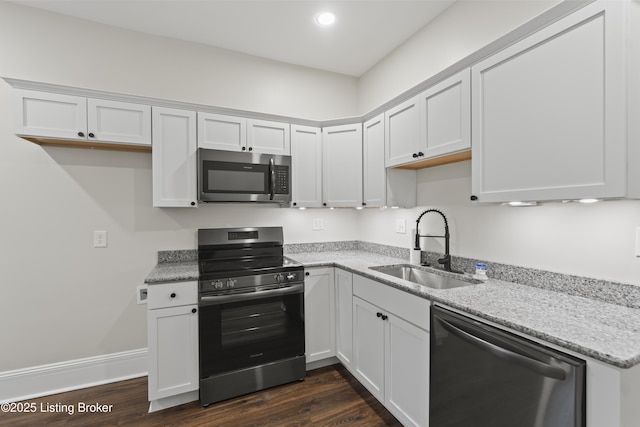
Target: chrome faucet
[[446, 259]]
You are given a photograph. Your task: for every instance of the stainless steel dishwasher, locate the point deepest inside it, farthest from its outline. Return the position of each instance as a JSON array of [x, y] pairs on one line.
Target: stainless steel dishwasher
[[482, 376]]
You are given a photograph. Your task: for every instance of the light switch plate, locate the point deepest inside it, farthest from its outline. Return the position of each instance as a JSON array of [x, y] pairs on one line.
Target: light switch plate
[[99, 239], [318, 224], [401, 226]]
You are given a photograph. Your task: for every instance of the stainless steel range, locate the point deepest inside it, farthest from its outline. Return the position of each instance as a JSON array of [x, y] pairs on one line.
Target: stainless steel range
[[251, 322]]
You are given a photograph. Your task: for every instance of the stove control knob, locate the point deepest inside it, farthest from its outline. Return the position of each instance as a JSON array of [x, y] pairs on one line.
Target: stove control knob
[[279, 277], [231, 283], [217, 284], [291, 276]]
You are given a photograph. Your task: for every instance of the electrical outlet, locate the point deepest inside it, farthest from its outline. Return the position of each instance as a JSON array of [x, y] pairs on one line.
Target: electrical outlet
[[99, 239], [318, 224], [401, 226], [141, 294]]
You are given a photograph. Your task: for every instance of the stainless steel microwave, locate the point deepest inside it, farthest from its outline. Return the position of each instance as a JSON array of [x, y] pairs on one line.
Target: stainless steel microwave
[[229, 176]]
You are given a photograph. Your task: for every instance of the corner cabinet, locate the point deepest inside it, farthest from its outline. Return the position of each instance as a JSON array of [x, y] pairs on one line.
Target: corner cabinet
[[549, 112], [173, 344], [382, 186], [342, 165], [58, 119], [391, 348], [174, 158], [319, 314], [306, 160]]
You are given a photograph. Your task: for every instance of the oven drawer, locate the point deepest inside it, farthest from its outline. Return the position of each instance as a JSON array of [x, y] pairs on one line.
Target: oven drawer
[[172, 294]]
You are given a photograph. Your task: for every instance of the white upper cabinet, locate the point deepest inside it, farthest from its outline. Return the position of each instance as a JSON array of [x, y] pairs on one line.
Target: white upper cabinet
[[549, 112], [445, 116], [402, 133], [229, 133], [374, 172], [306, 161], [67, 117], [174, 158], [120, 122], [50, 115], [435, 123], [220, 132], [383, 186], [268, 137], [342, 165]]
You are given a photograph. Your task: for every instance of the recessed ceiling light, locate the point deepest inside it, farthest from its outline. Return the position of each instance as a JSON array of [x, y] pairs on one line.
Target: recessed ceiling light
[[325, 19]]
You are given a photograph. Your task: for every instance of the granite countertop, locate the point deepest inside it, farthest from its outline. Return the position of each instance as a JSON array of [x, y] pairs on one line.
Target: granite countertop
[[600, 330]]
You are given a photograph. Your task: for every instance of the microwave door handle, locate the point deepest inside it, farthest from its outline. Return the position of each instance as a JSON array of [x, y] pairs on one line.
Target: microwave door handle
[[272, 179]]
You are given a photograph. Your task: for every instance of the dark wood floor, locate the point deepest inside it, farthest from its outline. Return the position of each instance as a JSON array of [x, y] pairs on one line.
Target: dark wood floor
[[327, 397]]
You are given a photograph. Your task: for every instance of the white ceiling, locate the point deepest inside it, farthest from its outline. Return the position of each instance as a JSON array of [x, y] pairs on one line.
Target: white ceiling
[[284, 30]]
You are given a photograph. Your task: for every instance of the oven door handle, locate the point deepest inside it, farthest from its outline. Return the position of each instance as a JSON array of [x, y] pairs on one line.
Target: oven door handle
[[221, 299]]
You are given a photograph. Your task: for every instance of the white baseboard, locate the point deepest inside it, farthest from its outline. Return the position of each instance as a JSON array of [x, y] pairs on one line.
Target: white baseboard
[[44, 380]]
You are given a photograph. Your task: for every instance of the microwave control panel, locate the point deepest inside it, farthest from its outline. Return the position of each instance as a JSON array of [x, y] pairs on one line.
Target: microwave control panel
[[282, 179]]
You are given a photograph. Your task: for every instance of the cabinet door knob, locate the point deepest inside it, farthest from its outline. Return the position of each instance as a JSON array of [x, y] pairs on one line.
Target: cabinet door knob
[[91, 135], [193, 310], [473, 198], [379, 314], [420, 154], [173, 295], [385, 317], [306, 273], [193, 203], [244, 148], [415, 155], [81, 134], [250, 148]]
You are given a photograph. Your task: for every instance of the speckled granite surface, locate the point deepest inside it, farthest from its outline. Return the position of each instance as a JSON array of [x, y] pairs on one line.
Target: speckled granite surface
[[592, 317], [603, 331]]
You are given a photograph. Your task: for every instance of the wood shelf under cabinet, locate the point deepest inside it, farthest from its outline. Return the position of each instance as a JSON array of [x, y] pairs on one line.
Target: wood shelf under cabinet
[[438, 161], [88, 144]]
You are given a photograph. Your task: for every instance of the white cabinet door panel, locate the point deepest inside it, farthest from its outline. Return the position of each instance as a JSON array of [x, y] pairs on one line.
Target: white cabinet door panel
[[374, 172], [445, 116], [407, 372], [368, 347], [342, 165], [306, 160], [548, 112], [268, 137], [173, 351], [402, 133], [121, 122], [220, 132], [319, 314], [174, 158], [344, 317], [50, 115]]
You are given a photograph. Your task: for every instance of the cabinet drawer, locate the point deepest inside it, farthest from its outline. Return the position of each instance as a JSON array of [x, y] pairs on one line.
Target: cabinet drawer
[[410, 307], [172, 294]]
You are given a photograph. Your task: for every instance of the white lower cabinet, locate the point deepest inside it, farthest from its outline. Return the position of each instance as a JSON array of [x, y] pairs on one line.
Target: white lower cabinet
[[391, 353], [319, 314], [344, 317], [172, 324]]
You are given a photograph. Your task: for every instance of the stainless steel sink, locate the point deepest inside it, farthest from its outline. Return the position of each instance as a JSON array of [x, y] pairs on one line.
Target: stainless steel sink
[[425, 277]]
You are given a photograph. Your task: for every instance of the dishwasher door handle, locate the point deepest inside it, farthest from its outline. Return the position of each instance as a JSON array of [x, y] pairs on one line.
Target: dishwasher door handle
[[522, 360]]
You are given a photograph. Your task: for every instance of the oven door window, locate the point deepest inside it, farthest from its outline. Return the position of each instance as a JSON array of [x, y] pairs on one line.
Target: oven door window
[[243, 334], [239, 178]]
